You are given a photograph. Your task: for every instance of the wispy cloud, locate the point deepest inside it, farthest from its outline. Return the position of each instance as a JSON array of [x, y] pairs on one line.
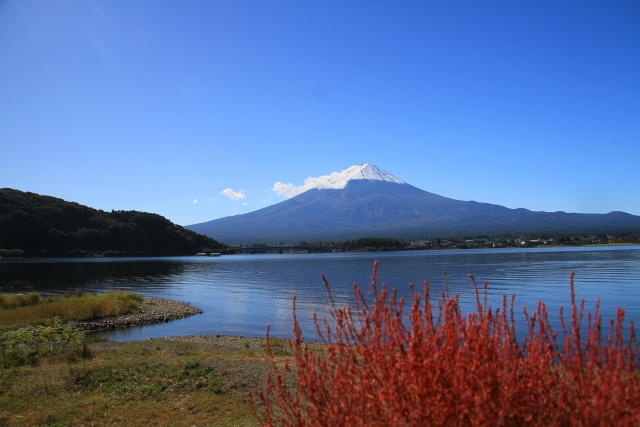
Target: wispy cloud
[[326, 181], [194, 201], [233, 194], [287, 190], [336, 180]]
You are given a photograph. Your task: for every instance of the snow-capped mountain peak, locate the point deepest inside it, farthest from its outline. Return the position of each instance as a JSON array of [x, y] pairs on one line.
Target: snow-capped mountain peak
[[337, 180], [364, 201], [365, 171]]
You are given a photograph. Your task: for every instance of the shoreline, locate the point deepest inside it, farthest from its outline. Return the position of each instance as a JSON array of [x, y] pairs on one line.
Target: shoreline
[[152, 310], [350, 251]]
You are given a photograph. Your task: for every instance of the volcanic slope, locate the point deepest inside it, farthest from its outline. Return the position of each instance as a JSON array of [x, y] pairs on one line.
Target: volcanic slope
[[365, 201]]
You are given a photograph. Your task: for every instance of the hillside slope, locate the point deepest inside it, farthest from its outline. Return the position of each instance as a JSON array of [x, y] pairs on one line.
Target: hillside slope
[[48, 226]]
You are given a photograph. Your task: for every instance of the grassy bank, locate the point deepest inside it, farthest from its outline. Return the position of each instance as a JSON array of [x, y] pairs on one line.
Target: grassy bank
[[32, 327], [35, 308], [180, 381], [52, 375]]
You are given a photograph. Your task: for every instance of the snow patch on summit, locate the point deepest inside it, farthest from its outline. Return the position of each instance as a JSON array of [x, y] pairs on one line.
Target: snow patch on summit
[[367, 171], [336, 180]]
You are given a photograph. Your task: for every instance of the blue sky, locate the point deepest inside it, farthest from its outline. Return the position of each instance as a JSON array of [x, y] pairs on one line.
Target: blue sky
[[153, 105]]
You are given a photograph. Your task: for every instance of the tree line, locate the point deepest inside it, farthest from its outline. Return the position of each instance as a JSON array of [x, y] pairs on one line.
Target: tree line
[[373, 244], [35, 225]]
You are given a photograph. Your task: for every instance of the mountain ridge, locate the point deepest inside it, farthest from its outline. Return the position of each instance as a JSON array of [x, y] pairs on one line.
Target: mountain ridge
[[373, 205]]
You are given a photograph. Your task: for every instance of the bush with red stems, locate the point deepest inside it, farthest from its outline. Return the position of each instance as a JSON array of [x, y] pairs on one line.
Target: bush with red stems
[[440, 367]]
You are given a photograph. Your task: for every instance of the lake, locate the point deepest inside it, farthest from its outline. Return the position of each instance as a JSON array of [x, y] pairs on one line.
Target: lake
[[241, 294]]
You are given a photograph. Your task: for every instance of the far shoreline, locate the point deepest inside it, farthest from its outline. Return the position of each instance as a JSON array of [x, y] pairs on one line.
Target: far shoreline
[[98, 256]]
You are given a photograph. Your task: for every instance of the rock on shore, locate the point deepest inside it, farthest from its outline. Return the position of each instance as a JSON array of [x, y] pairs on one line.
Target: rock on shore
[[152, 310]]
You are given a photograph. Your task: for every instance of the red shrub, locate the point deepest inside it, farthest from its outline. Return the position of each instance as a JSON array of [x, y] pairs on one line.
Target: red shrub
[[447, 368]]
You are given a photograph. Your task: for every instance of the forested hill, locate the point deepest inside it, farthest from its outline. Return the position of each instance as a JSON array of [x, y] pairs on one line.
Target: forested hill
[[35, 225]]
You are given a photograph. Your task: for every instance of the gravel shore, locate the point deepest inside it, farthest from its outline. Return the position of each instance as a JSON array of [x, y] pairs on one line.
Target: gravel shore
[[152, 310]]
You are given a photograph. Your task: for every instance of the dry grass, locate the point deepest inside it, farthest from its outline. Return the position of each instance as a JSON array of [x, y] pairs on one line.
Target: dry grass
[[32, 308], [8, 301], [178, 382]]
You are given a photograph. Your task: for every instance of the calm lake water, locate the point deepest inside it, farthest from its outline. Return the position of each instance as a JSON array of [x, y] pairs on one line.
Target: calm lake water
[[241, 294]]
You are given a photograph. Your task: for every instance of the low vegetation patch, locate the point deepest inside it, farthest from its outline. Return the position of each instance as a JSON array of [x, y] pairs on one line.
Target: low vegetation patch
[[51, 374], [34, 308], [34, 325], [27, 345], [8, 301], [201, 381], [437, 366]]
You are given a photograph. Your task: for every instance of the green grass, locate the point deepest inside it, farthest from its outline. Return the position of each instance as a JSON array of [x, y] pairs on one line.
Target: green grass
[[54, 375], [8, 301], [53, 339], [138, 383], [33, 308]]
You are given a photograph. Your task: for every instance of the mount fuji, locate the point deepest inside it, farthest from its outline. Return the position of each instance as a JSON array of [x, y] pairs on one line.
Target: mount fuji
[[365, 201]]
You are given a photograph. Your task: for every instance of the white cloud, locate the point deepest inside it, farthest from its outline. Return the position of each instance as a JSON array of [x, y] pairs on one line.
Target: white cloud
[[288, 190], [233, 194], [336, 180], [326, 181], [194, 201]]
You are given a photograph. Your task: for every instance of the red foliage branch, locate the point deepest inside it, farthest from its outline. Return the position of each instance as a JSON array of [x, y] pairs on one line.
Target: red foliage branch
[[444, 368]]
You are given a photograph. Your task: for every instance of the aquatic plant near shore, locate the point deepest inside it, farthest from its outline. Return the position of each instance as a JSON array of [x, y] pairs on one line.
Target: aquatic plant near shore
[[443, 367]]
